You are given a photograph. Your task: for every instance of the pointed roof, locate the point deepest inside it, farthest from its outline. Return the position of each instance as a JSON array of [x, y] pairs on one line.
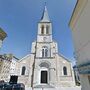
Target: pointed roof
[[45, 16]]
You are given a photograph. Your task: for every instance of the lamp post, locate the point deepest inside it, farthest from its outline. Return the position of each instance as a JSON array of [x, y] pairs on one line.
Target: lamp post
[[3, 35]]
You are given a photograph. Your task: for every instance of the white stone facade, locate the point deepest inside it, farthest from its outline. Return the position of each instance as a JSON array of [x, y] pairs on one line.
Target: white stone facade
[[44, 67]]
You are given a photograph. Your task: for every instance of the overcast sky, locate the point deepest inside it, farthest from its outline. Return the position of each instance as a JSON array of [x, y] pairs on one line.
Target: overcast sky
[[19, 19]]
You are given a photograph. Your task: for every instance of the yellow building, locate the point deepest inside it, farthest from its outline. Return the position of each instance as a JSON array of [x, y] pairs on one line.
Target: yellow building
[[3, 35], [80, 25]]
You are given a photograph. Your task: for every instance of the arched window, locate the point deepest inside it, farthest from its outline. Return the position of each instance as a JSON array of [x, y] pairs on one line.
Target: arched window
[[42, 29], [44, 51], [47, 29], [65, 70], [23, 70]]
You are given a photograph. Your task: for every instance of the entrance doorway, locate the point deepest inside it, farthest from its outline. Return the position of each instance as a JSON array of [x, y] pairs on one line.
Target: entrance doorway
[[44, 77]]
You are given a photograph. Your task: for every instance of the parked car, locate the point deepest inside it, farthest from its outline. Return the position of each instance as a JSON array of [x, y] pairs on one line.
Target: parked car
[[12, 84], [8, 86], [1, 84]]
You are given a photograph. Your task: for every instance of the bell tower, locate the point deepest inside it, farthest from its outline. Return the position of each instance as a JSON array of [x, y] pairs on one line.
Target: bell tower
[[45, 54], [44, 28]]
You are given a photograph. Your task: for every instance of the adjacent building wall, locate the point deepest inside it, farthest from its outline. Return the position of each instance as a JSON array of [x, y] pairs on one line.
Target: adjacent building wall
[[4, 67], [7, 66], [80, 25]]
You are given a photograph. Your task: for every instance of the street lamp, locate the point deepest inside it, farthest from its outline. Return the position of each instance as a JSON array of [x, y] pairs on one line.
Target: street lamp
[[3, 35]]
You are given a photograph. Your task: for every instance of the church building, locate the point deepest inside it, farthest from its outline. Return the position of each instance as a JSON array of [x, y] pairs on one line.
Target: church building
[[44, 67]]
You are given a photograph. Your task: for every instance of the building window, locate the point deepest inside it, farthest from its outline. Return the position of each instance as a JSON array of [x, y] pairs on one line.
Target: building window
[[23, 70], [42, 29], [65, 70], [44, 51], [47, 29]]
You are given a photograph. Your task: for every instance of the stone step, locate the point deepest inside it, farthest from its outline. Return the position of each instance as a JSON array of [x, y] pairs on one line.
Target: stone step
[[44, 89], [59, 88]]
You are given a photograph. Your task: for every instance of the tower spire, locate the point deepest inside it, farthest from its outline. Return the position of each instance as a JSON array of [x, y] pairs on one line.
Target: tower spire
[[45, 16]]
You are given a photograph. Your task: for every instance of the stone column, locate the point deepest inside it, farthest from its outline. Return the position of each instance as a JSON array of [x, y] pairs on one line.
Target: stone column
[[52, 76]]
